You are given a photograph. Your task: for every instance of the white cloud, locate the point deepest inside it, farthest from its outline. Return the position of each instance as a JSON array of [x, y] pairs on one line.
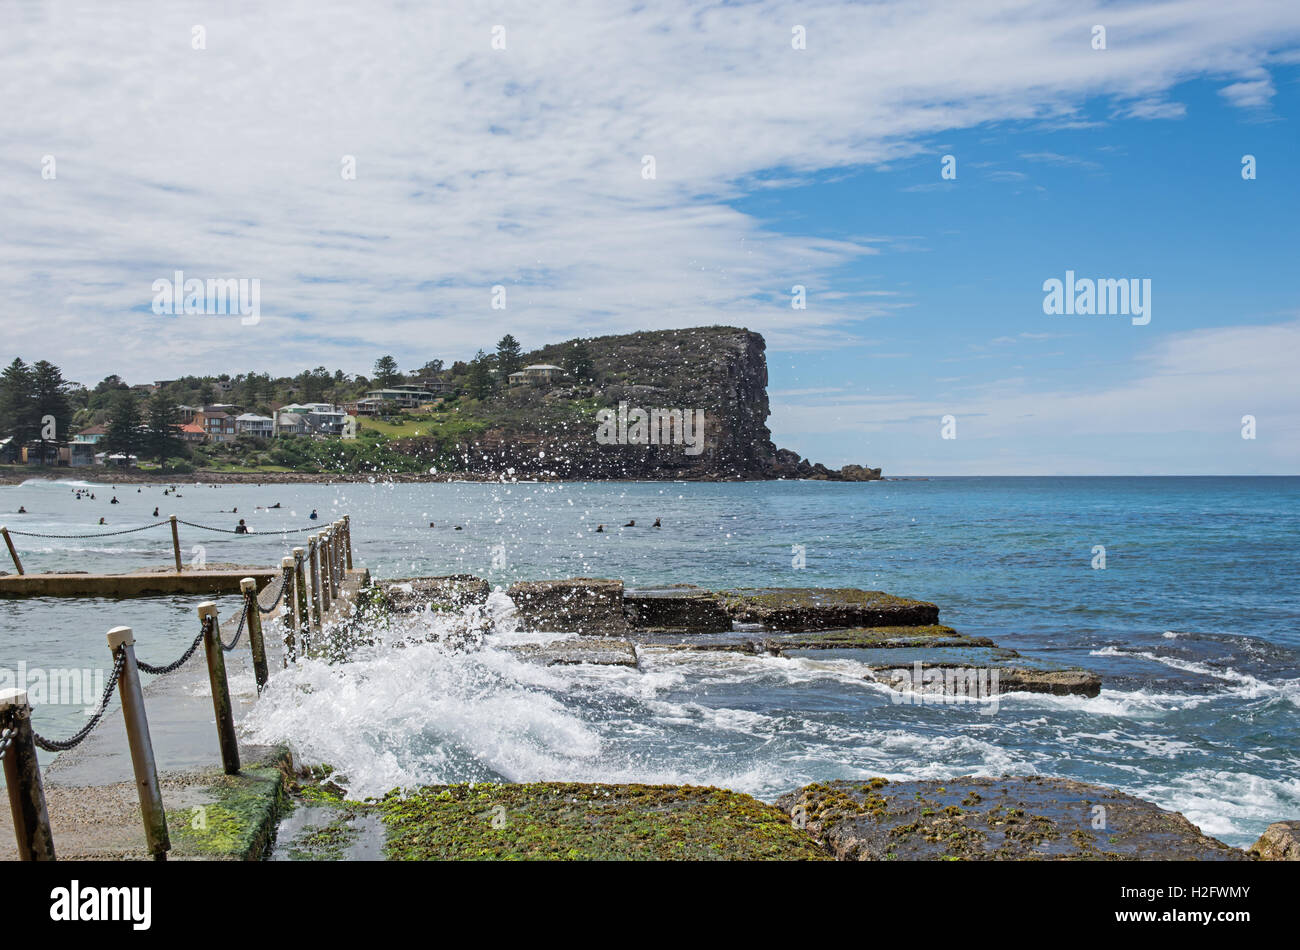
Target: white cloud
[[1188, 390], [520, 167]]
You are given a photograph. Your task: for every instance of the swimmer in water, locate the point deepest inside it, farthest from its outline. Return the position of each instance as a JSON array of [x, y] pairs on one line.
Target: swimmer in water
[[630, 524], [656, 524], [600, 528]]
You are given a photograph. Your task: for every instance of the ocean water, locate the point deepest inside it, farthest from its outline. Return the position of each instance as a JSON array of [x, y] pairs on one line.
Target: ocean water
[[1194, 624]]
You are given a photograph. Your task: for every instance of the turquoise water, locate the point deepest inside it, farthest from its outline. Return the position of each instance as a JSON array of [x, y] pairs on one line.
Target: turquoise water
[[1193, 623]]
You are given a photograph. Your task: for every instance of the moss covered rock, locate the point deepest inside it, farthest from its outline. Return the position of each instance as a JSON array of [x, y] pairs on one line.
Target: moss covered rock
[[570, 821]]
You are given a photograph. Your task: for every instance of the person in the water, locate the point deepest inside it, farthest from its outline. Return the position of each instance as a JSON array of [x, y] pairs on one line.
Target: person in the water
[[22, 510], [313, 516], [155, 512], [102, 521], [656, 524], [600, 528], [241, 528], [630, 524]]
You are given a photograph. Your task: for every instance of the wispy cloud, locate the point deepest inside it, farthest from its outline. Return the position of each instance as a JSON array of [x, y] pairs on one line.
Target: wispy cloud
[[520, 167]]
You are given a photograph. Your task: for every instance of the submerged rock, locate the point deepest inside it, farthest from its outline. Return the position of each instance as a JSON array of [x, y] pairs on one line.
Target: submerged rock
[[602, 651], [1279, 842], [585, 605], [1011, 818]]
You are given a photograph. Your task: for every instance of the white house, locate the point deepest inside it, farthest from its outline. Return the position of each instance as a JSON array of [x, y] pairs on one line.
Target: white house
[[250, 423]]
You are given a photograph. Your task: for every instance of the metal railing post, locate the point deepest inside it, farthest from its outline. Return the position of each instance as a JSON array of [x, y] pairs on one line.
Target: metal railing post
[[23, 776], [137, 737], [347, 537], [326, 582], [300, 597], [253, 620], [13, 552], [314, 554], [220, 689], [290, 614], [338, 559], [176, 543]]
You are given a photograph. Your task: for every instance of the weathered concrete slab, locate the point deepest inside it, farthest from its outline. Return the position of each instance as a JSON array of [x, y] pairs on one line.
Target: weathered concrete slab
[[603, 651], [139, 584], [681, 609], [449, 592], [995, 819], [1279, 842], [584, 605], [798, 609]]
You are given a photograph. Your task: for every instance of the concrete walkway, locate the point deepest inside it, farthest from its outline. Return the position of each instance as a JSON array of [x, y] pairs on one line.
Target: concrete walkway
[[90, 791], [138, 584]]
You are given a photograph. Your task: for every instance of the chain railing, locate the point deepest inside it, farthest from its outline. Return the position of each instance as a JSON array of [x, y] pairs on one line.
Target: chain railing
[[330, 556], [8, 534], [63, 745]]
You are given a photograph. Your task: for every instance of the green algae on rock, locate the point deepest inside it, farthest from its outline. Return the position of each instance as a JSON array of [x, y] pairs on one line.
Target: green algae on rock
[[573, 821], [238, 819]]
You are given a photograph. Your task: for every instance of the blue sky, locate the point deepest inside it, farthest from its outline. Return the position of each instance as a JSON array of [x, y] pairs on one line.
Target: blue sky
[[964, 262], [775, 166]]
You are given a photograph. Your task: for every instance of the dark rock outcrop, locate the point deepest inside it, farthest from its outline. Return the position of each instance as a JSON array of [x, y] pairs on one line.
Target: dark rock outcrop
[[550, 432], [1279, 842], [1010, 818]]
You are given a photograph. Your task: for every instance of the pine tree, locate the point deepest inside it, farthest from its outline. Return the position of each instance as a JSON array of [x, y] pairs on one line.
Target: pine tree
[[509, 356], [18, 415], [480, 380], [124, 433], [160, 440], [581, 366], [386, 372], [53, 410]]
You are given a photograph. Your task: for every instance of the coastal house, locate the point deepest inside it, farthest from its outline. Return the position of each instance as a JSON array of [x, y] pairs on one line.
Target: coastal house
[[91, 435], [217, 426], [538, 374], [314, 418], [399, 397], [190, 432], [77, 454], [251, 424], [433, 385]]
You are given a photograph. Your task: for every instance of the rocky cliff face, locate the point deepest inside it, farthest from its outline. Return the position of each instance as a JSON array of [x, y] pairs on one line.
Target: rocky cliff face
[[638, 417]]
